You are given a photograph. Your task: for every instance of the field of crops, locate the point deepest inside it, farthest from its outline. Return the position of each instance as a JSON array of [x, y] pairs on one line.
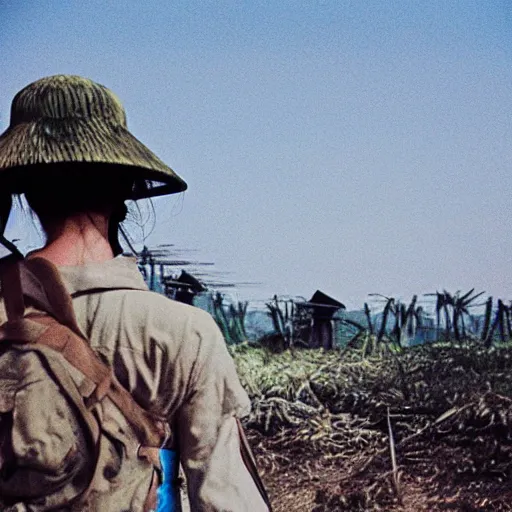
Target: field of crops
[[421, 429]]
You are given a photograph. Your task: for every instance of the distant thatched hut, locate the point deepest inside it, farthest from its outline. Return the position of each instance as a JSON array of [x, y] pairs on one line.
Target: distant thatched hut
[[322, 309], [184, 288]]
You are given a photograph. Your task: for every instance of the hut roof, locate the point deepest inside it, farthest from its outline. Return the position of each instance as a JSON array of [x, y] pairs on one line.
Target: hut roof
[[186, 280], [320, 299]]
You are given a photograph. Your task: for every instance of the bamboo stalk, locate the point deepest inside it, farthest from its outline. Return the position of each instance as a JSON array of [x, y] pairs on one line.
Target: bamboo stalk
[[487, 319], [368, 317]]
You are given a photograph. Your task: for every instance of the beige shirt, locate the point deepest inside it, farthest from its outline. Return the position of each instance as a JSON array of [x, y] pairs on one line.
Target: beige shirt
[[172, 358]]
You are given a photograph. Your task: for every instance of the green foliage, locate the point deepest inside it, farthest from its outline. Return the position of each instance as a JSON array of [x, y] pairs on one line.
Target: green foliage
[[281, 313], [230, 318]]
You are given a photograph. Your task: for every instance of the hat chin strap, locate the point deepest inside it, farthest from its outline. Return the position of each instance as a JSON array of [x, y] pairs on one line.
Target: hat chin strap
[[114, 228], [5, 210], [11, 247], [113, 238]]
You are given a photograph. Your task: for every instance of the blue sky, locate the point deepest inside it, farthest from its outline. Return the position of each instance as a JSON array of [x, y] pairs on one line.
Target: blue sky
[[354, 147]]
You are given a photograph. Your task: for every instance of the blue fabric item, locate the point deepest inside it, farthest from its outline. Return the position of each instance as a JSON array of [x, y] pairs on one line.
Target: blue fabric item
[[168, 493]]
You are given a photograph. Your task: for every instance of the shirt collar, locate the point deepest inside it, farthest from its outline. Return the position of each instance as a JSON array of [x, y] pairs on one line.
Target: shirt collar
[[119, 272]]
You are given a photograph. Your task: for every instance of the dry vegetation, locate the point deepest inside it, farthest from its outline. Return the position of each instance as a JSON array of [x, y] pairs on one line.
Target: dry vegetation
[[425, 428]]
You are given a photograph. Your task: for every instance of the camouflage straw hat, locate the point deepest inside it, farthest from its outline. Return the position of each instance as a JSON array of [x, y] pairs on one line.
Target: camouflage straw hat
[[65, 119]]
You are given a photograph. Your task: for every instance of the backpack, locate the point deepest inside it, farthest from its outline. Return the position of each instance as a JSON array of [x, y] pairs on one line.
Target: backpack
[[72, 438]]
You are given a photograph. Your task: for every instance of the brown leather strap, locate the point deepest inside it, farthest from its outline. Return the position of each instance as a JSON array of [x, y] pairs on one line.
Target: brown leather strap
[[63, 335], [149, 429], [152, 454], [250, 464], [151, 502], [58, 297]]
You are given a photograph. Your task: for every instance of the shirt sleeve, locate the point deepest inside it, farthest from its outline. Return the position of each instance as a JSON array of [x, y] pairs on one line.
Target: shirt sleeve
[[217, 479]]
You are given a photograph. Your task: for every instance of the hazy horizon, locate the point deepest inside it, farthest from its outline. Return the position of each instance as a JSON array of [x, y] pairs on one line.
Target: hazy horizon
[[352, 147]]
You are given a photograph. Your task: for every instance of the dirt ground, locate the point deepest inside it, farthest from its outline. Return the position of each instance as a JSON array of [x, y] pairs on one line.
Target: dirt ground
[[291, 490]]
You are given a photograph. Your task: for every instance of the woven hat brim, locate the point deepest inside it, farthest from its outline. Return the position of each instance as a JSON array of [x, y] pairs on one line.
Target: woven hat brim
[[72, 140]]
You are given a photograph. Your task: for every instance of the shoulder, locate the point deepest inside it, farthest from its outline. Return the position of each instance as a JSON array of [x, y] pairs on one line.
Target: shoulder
[[158, 309], [168, 322], [193, 342]]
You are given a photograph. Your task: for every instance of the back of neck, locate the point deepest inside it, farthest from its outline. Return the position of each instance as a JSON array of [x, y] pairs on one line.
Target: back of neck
[[77, 241]]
